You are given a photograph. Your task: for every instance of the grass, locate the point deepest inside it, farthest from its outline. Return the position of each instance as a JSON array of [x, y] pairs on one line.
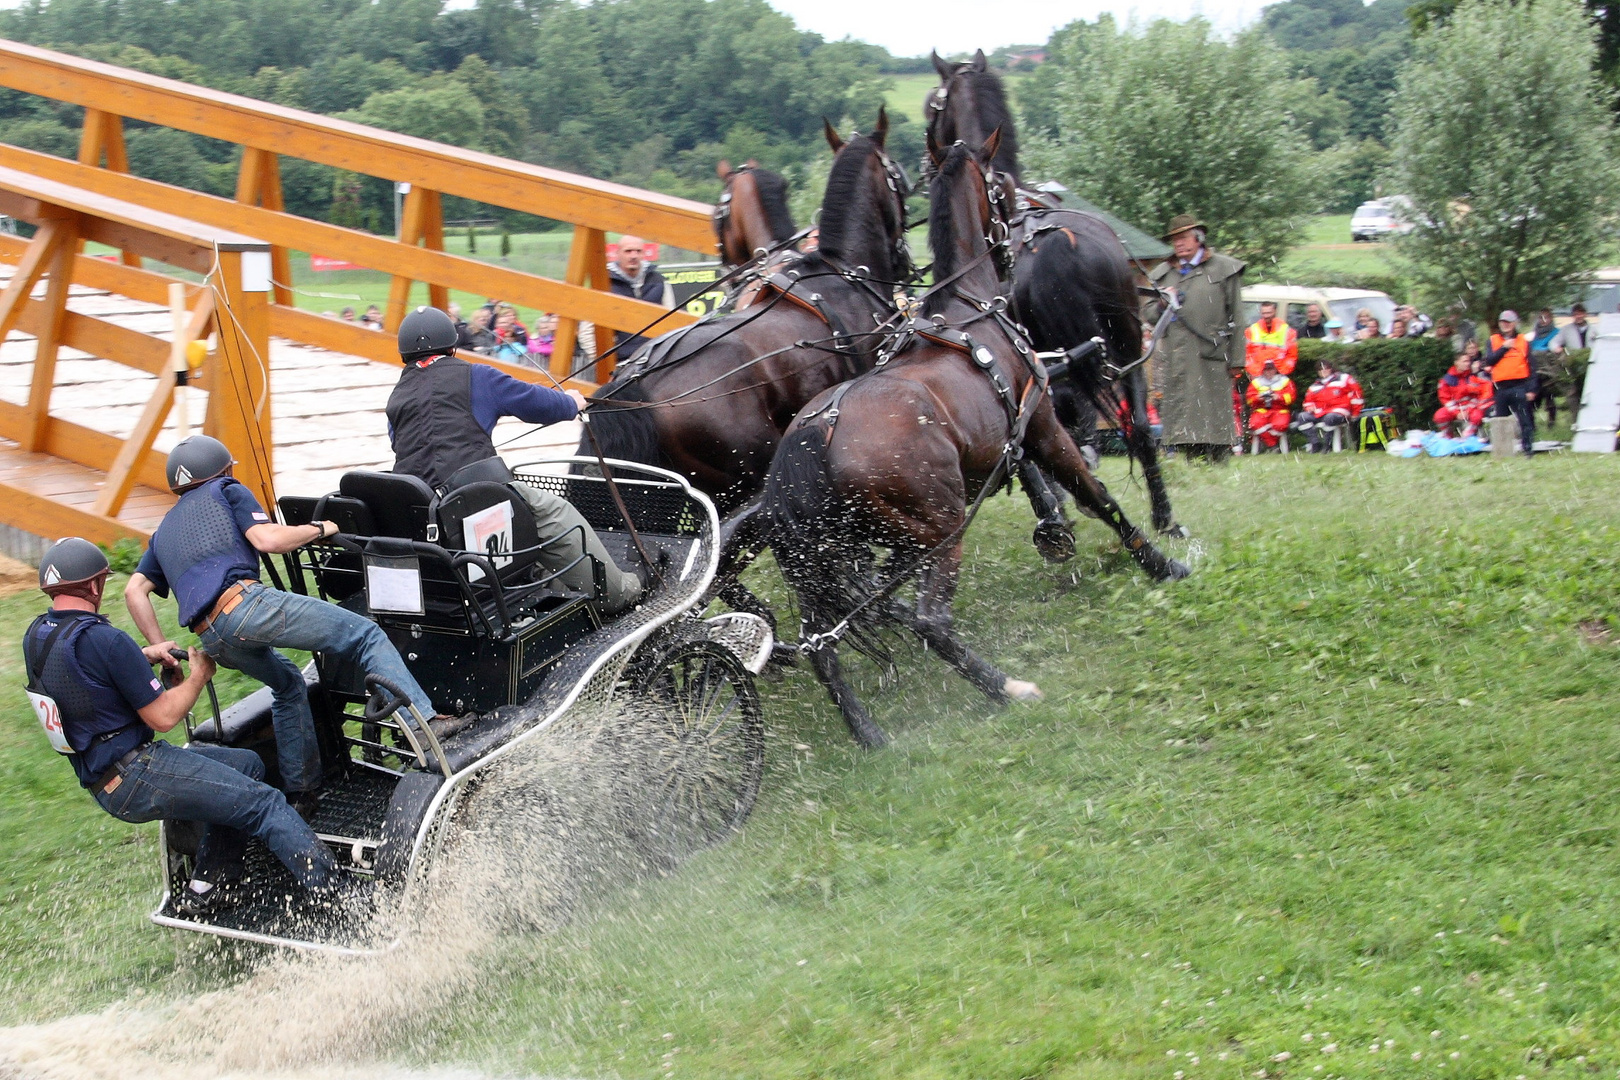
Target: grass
[[1347, 786], [1327, 256]]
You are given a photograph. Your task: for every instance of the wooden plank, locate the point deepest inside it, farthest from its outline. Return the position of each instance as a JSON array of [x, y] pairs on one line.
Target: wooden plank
[[302, 234], [47, 517], [48, 337], [433, 240], [482, 177], [239, 406], [135, 283], [36, 254], [98, 337], [412, 224], [103, 134], [78, 444], [121, 476], [258, 183]]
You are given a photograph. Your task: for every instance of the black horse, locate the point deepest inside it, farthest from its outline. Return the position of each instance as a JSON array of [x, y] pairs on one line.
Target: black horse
[[711, 400], [1072, 282], [901, 457]]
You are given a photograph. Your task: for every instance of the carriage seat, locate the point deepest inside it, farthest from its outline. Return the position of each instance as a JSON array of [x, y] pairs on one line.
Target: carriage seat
[[401, 505]]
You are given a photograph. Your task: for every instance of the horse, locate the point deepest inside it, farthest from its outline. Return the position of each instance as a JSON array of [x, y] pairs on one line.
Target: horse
[[752, 216], [1072, 282], [901, 458], [711, 400]]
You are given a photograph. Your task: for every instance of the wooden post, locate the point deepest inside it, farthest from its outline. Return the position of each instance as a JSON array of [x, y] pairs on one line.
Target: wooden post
[[587, 265], [239, 394], [103, 134], [64, 245], [33, 263], [258, 183], [421, 223]]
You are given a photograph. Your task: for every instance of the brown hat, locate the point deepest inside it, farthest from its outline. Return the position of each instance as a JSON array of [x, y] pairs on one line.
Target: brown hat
[[1180, 224]]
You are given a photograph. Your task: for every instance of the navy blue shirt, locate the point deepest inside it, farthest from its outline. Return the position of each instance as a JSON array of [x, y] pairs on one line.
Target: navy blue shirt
[[190, 541], [114, 680], [496, 394]]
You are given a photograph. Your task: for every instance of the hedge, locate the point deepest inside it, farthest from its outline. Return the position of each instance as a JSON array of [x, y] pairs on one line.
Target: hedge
[[1399, 373]]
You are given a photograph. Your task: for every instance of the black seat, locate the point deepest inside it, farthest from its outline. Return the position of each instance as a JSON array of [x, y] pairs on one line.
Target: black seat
[[492, 469], [507, 524], [401, 505]]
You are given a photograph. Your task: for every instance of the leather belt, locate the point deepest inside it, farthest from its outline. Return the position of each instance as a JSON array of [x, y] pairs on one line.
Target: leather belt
[[113, 776], [227, 602]]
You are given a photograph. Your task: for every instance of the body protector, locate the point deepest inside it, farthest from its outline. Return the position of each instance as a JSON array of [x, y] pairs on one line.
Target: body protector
[[430, 413], [94, 726], [201, 549]]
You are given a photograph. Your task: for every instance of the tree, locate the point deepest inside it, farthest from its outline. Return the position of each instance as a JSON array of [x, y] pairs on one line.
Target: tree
[[1504, 147], [1173, 120]]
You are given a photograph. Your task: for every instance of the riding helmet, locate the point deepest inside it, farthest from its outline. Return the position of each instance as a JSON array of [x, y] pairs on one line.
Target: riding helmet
[[427, 331], [196, 460], [70, 561]]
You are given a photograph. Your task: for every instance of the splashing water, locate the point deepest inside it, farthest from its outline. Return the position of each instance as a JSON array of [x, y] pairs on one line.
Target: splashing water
[[544, 831]]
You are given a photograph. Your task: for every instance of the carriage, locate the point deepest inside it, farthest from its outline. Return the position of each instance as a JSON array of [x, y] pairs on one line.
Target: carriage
[[457, 584]]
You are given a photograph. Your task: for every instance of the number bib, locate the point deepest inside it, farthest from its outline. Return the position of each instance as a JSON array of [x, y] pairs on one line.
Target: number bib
[[50, 718]]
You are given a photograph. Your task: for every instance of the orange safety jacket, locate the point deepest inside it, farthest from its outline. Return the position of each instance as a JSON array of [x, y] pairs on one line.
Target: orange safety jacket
[[1513, 364], [1280, 344]]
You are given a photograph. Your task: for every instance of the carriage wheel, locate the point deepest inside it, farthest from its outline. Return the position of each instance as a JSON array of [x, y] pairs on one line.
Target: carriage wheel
[[696, 745]]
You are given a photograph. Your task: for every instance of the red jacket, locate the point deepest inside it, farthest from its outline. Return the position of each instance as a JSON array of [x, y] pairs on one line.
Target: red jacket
[[1280, 388], [1338, 393], [1458, 391]]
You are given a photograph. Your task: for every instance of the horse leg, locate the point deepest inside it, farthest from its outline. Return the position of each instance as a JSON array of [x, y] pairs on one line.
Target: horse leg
[[741, 540], [1057, 453], [824, 660], [1146, 454], [1054, 536]]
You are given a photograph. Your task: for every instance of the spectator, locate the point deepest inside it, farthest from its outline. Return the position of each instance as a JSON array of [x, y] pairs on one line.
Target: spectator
[[1367, 326], [1271, 394], [1578, 333], [1270, 340], [347, 315], [1333, 400], [1462, 398], [1397, 327], [1446, 330], [476, 333], [372, 319], [1315, 325], [1199, 359], [511, 336], [1335, 332], [1514, 379], [1417, 324], [631, 275], [1546, 365], [1545, 330], [544, 338]]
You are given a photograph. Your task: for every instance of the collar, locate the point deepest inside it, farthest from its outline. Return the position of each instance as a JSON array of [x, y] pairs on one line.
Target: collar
[[1199, 256]]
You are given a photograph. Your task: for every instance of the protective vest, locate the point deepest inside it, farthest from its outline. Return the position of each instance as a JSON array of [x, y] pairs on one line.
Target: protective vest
[[94, 723], [1515, 363], [1280, 345], [1280, 385], [201, 549], [430, 413]]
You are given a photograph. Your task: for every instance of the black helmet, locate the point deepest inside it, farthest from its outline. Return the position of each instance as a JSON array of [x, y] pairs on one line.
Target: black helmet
[[427, 331], [196, 460], [70, 561]]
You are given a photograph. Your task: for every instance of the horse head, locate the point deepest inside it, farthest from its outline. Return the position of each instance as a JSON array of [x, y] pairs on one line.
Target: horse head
[[970, 205], [752, 214], [969, 103], [863, 214]]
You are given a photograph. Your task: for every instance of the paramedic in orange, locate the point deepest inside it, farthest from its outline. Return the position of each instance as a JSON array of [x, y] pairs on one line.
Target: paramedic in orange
[[1270, 339], [1270, 397]]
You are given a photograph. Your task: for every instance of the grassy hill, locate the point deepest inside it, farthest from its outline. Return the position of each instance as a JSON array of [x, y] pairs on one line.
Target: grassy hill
[[1340, 804]]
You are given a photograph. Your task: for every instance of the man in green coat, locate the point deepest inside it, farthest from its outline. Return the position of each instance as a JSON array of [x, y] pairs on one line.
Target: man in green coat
[[1201, 351]]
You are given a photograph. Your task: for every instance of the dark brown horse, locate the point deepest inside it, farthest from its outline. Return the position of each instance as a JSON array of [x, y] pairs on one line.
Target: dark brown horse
[[899, 458], [711, 400], [752, 216], [1072, 281]]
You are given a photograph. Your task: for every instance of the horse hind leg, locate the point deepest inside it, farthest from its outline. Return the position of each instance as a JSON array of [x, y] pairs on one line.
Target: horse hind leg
[[1146, 454], [862, 728], [932, 621]]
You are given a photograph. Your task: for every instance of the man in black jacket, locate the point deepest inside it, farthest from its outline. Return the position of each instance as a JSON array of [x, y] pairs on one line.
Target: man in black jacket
[[634, 277]]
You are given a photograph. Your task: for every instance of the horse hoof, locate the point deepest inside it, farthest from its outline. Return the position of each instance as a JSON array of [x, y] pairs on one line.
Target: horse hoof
[[869, 735], [1176, 570], [1019, 690], [1055, 542], [1175, 531]]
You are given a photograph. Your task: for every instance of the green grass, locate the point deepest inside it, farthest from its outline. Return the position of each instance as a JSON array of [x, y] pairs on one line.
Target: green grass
[[1327, 256], [906, 96], [1352, 779]]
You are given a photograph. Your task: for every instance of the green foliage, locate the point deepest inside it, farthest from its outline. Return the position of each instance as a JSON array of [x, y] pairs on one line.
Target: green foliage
[[1505, 148], [447, 113], [1320, 25], [45, 136], [1397, 373], [1174, 120], [1353, 169], [124, 555]]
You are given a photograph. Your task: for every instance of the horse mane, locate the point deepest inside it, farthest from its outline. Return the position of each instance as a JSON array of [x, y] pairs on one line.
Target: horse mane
[[773, 197], [848, 201], [991, 97], [942, 222]]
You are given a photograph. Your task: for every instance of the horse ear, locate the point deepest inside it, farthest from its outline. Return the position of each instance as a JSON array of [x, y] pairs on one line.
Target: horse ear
[[881, 132], [940, 65], [987, 152], [979, 63], [723, 169], [833, 139]]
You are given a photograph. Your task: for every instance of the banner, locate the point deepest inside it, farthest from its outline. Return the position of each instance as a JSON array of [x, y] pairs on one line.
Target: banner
[[322, 262]]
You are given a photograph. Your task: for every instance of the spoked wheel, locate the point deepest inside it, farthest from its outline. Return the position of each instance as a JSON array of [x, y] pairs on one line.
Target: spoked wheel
[[695, 741]]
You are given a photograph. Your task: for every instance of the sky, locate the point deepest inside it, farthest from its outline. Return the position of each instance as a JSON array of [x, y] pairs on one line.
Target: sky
[[909, 28]]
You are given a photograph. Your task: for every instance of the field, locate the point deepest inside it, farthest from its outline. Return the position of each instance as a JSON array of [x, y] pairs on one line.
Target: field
[[1327, 256], [1340, 804]]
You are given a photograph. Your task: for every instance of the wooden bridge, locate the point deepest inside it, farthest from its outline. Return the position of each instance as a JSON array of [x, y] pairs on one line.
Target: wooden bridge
[[103, 480]]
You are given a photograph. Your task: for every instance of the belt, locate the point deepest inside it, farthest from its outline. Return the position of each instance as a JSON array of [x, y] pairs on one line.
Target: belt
[[114, 776], [223, 606]]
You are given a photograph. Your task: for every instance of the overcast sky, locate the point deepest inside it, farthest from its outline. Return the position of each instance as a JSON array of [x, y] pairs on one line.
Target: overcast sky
[[908, 28]]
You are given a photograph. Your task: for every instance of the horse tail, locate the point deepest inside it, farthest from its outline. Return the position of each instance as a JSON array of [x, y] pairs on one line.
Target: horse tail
[[1062, 313], [624, 427]]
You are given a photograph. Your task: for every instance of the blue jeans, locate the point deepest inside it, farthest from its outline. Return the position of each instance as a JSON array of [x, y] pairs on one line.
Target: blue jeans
[[220, 787], [351, 645]]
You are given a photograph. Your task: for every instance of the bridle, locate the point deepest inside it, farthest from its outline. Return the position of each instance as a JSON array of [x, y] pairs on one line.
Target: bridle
[[721, 214]]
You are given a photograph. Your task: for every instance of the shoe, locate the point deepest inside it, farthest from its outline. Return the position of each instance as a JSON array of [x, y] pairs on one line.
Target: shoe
[[444, 725], [657, 573], [222, 897], [306, 803]]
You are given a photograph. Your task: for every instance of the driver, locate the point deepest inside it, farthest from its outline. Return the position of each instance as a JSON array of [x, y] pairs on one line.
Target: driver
[[95, 695], [440, 416], [207, 550]]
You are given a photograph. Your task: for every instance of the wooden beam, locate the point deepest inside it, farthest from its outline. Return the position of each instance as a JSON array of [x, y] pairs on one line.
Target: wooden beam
[[587, 264], [239, 404], [258, 183], [36, 255], [49, 336], [433, 240], [78, 444], [412, 224], [103, 136], [482, 177], [100, 274], [121, 475], [42, 516], [302, 234]]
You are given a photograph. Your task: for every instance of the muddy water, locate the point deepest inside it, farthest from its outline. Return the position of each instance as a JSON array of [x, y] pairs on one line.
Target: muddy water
[[535, 843]]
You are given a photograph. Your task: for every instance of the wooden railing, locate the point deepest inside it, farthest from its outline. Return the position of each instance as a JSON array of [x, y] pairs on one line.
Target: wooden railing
[[265, 131]]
